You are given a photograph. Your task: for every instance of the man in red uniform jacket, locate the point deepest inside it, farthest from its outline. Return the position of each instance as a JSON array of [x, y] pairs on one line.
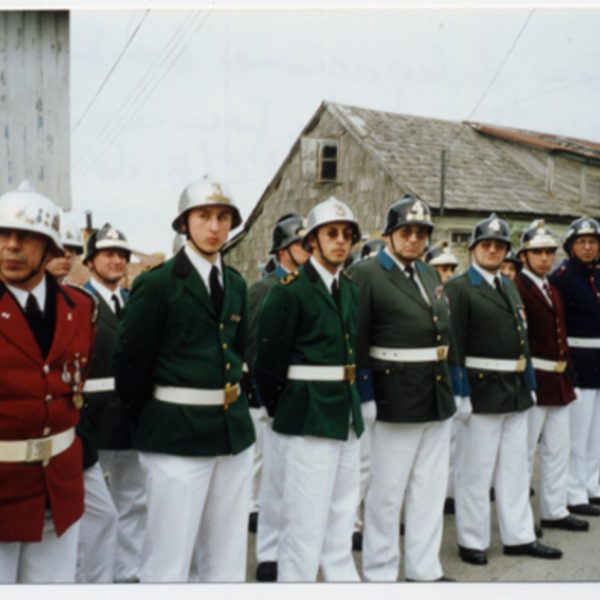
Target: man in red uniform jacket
[[46, 338], [551, 359]]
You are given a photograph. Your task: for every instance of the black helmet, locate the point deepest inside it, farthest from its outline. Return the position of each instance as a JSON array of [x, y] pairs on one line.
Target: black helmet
[[512, 257], [491, 228], [268, 267], [441, 255], [371, 247], [407, 211], [579, 227], [107, 238], [537, 235], [287, 230]]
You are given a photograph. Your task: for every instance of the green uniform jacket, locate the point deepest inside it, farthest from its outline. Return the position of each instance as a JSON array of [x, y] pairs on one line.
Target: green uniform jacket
[[169, 335], [393, 314], [300, 324], [484, 327]]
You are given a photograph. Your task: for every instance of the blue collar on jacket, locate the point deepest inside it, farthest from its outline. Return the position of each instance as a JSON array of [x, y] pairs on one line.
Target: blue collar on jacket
[[387, 262]]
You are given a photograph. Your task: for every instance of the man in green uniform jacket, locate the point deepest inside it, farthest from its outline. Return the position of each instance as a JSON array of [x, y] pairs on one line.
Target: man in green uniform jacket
[[402, 349], [178, 364], [490, 329], [305, 373]]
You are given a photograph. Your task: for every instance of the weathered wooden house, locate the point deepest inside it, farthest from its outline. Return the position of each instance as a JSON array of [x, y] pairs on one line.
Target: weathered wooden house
[[34, 102], [464, 171]]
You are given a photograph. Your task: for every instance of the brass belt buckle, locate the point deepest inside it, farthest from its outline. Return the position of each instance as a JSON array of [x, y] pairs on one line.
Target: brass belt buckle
[[561, 366], [230, 395], [442, 353], [521, 365], [39, 450], [349, 372]]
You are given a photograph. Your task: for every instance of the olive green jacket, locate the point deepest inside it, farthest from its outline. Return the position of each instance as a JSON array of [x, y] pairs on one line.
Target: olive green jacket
[[300, 324], [169, 336], [484, 327], [392, 313]]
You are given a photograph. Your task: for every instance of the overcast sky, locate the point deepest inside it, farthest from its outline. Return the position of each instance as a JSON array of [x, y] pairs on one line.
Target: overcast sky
[[227, 92]]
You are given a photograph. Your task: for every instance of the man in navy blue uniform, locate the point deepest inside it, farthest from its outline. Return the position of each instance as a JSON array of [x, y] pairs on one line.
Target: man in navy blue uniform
[[578, 280]]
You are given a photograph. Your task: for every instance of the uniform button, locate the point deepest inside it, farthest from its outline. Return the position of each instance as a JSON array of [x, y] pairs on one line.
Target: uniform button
[[227, 367], [438, 338], [221, 326], [224, 346], [480, 375], [435, 319], [561, 351], [49, 398], [387, 371], [438, 378], [46, 368], [350, 351], [46, 431], [519, 328], [522, 342], [366, 377], [558, 330], [347, 336]]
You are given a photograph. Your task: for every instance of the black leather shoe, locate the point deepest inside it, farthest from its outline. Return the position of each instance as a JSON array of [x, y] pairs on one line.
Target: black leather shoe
[[266, 571], [253, 522], [473, 557], [534, 549], [440, 580], [587, 510], [595, 501], [357, 541], [567, 523], [539, 534], [449, 508]]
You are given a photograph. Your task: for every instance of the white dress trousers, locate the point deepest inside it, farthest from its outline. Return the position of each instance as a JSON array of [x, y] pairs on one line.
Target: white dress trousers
[[584, 458], [369, 415], [552, 422], [493, 447], [407, 460], [97, 546], [258, 416], [53, 560], [271, 494], [319, 503], [454, 427], [127, 486], [197, 526]]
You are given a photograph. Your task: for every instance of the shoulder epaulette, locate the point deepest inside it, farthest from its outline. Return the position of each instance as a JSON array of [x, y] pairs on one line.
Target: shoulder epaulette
[[90, 295], [348, 277], [289, 278], [149, 268], [561, 270]]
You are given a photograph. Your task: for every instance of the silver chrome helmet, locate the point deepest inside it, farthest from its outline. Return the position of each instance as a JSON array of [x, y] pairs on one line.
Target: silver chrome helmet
[[27, 210], [205, 193], [70, 234], [107, 238], [537, 235], [331, 210], [441, 255]]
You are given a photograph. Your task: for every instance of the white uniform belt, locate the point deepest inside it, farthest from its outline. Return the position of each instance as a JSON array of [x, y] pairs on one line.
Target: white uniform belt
[[583, 342], [549, 365], [106, 384], [321, 373], [196, 396], [37, 449], [434, 354], [496, 364]]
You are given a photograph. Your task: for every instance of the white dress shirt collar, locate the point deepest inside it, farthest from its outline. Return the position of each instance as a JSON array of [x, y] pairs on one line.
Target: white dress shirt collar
[[489, 277], [39, 293], [107, 294], [326, 276], [204, 266], [416, 277]]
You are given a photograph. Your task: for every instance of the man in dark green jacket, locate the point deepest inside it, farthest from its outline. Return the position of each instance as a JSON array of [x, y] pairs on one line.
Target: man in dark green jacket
[[490, 329], [286, 245], [403, 342], [178, 364], [306, 378]]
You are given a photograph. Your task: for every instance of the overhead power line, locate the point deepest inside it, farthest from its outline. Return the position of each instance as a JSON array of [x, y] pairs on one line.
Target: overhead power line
[[487, 89], [110, 72], [131, 107]]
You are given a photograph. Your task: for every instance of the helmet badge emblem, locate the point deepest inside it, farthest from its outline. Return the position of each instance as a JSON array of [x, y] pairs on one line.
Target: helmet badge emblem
[[495, 226], [417, 212], [112, 234], [585, 226], [339, 210]]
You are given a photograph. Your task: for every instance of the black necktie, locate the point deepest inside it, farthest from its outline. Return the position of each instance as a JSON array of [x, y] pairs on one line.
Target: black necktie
[[216, 291], [117, 304], [501, 291], [35, 320], [335, 292], [548, 291], [411, 275]]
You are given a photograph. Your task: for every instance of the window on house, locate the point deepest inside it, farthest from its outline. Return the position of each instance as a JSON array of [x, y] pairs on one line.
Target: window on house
[[461, 238], [319, 160]]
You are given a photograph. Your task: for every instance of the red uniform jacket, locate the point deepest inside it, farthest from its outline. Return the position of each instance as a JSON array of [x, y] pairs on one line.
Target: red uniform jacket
[[548, 340], [35, 402]]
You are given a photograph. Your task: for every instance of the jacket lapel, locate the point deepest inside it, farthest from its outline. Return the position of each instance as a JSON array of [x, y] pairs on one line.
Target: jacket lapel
[[66, 323], [400, 280], [193, 282], [315, 278], [486, 291], [14, 327], [106, 314]]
